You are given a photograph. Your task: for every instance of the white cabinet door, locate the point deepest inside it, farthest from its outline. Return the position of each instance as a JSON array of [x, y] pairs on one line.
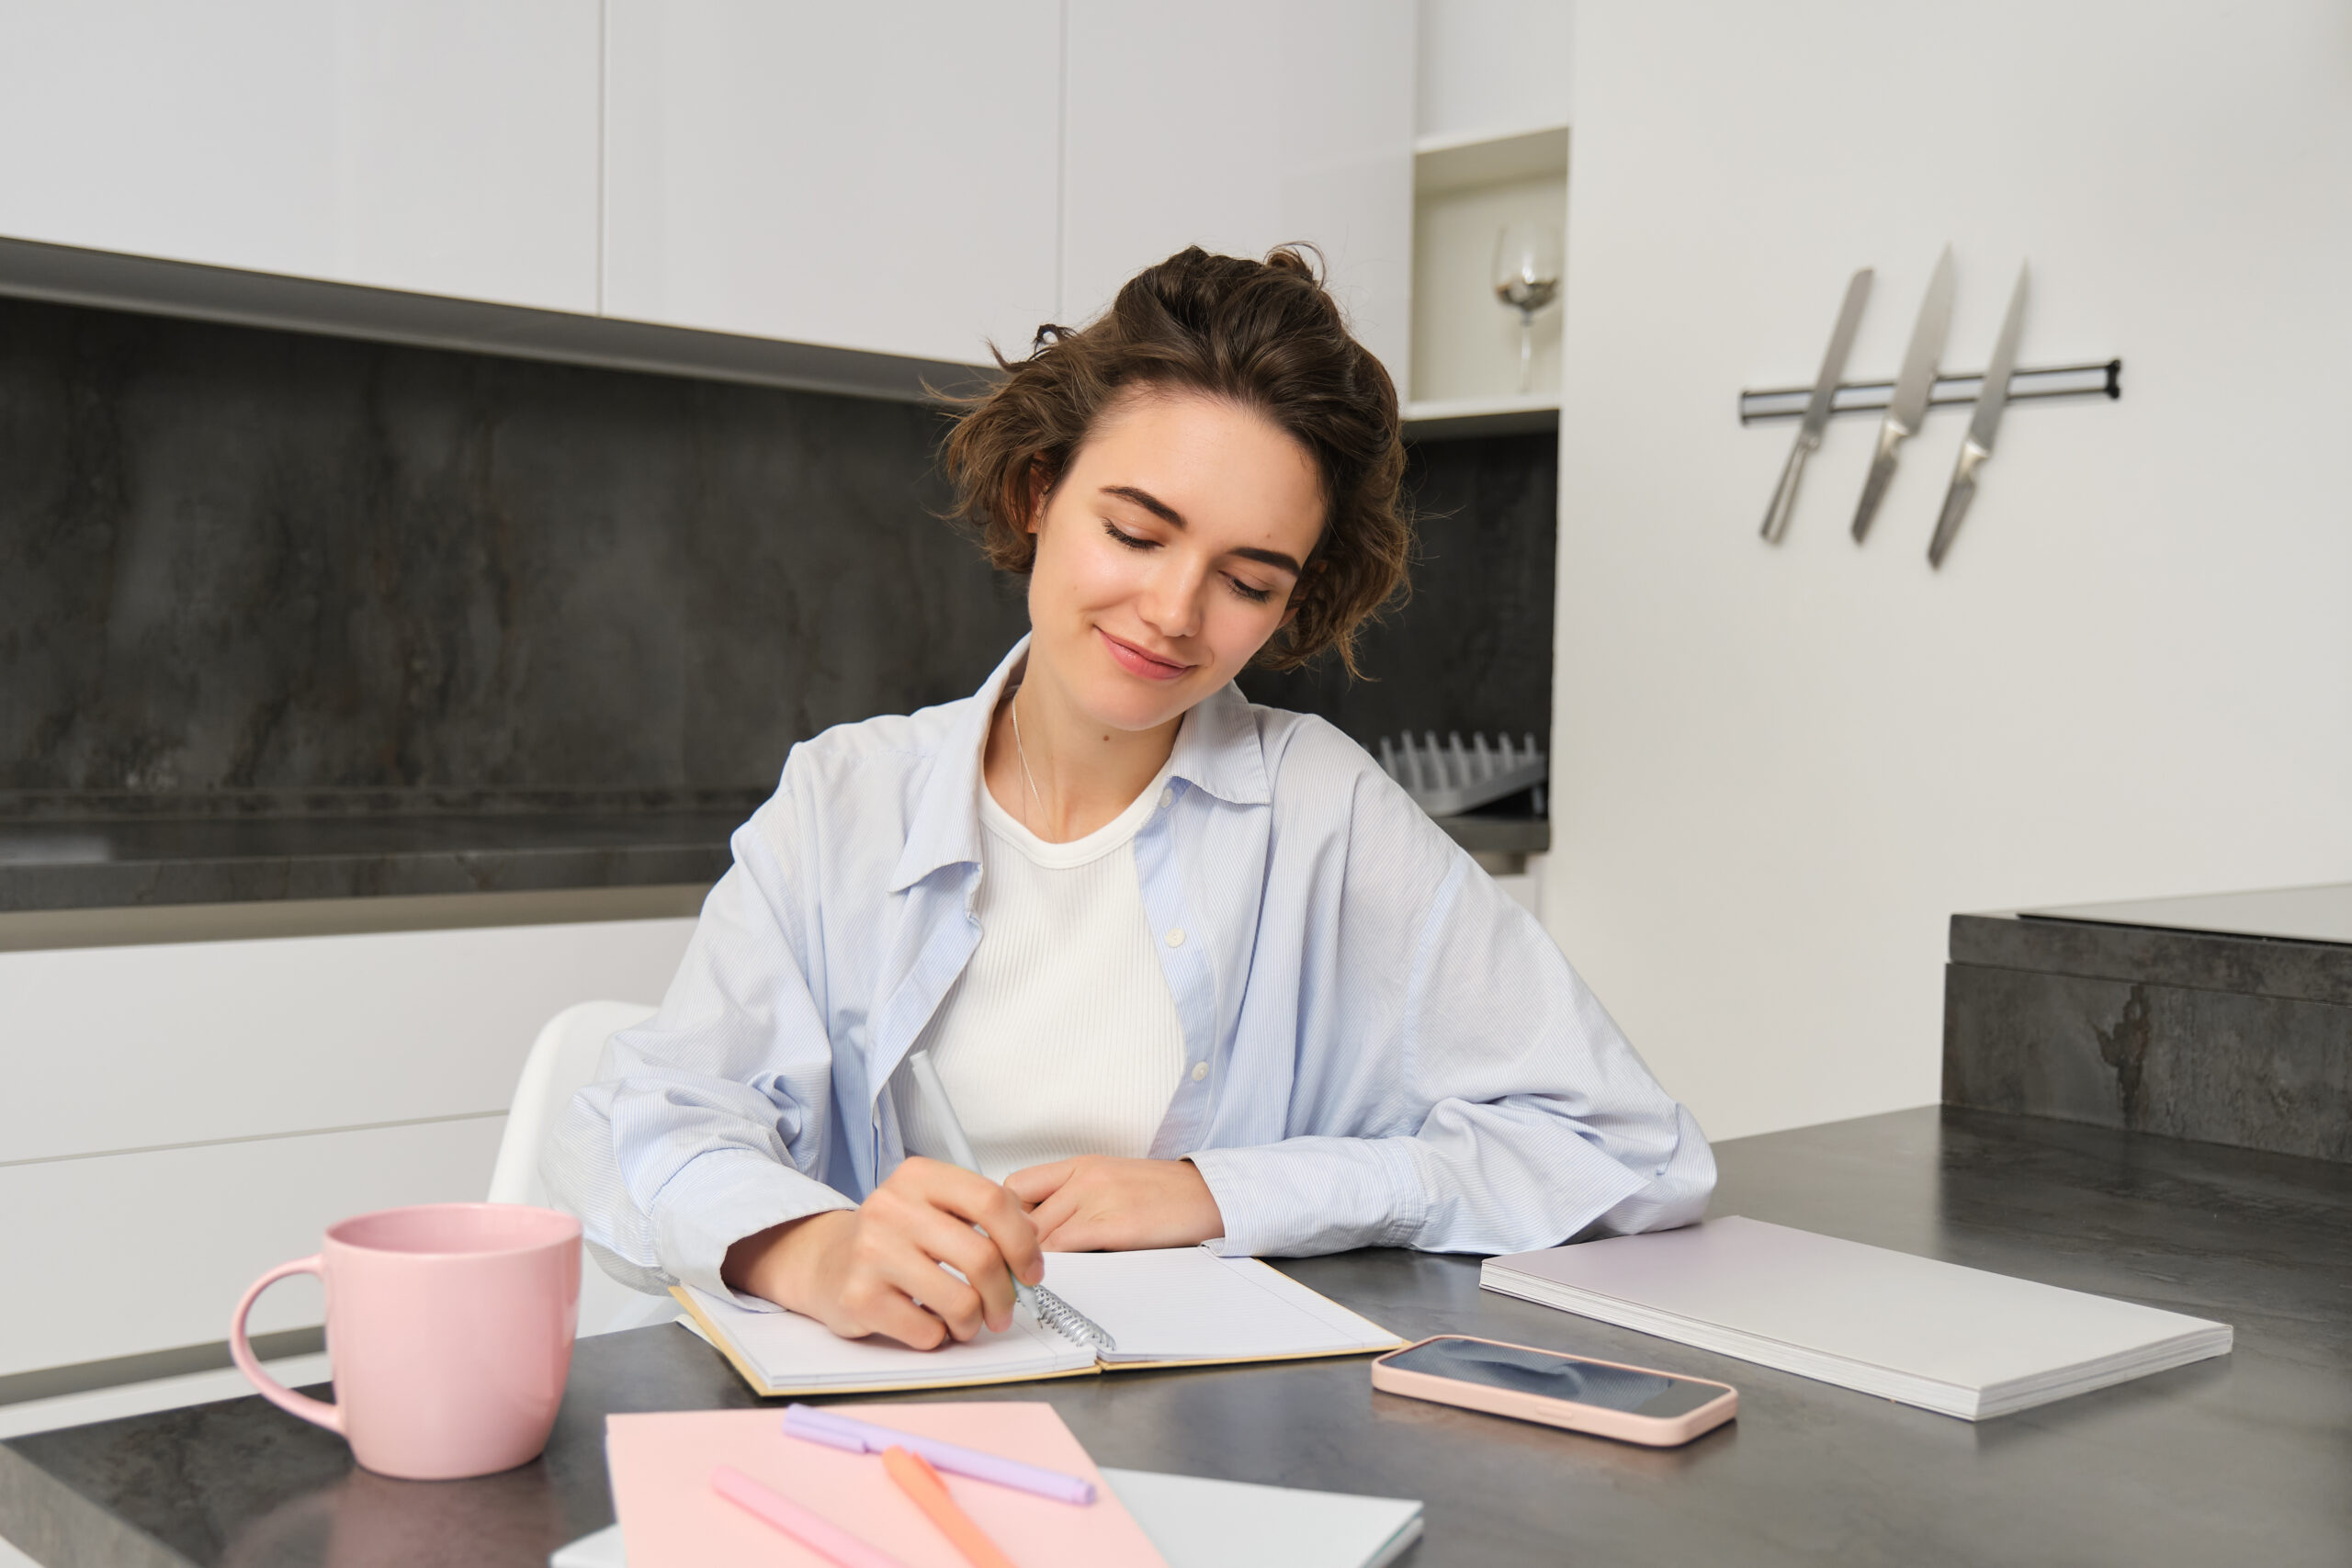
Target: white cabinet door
[[115, 1048], [1237, 125], [134, 1253], [438, 146], [879, 177]]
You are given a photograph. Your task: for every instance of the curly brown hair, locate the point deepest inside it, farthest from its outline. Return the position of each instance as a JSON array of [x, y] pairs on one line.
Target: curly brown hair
[[1266, 335]]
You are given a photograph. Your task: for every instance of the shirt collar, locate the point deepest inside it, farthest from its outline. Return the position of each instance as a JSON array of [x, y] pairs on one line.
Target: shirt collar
[[1217, 750]]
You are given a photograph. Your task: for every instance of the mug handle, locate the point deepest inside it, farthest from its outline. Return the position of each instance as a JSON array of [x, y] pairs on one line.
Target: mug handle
[[317, 1411]]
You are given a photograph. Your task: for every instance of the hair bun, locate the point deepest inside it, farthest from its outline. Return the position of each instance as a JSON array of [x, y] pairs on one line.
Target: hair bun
[[1291, 258]]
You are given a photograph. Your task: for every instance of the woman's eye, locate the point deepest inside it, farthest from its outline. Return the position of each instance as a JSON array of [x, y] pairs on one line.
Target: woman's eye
[[1255, 595], [1125, 537]]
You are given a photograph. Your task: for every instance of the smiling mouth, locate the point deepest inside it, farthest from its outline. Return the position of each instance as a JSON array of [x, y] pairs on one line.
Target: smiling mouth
[[1136, 662]]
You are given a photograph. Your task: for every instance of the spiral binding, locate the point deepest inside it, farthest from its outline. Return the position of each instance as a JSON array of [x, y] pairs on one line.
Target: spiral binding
[[1071, 1324]]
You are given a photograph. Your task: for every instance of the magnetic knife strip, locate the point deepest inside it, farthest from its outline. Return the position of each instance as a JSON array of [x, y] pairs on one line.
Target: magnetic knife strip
[[2102, 380]]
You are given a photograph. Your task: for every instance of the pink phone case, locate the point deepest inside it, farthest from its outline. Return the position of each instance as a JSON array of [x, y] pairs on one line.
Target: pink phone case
[[1660, 1432]]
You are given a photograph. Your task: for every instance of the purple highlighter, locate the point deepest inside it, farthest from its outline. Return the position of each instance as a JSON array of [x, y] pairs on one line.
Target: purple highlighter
[[806, 1421]]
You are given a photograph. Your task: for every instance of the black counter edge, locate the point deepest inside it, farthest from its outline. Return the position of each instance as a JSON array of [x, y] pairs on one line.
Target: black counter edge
[[67, 1530]]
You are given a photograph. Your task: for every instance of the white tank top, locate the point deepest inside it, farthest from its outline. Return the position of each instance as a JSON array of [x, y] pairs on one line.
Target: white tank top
[[1060, 1038]]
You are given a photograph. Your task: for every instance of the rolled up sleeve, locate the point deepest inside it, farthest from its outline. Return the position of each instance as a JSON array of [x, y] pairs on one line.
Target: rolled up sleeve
[[1455, 1085], [709, 1121]]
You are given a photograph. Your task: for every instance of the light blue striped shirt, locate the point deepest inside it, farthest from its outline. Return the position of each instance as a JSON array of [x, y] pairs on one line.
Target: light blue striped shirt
[[1398, 1054]]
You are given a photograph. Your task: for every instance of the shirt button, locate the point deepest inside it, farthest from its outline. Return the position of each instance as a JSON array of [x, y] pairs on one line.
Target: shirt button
[[1200, 1071], [1176, 937], [1167, 798]]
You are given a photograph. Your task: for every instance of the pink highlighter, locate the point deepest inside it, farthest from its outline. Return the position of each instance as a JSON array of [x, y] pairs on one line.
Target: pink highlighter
[[813, 1531]]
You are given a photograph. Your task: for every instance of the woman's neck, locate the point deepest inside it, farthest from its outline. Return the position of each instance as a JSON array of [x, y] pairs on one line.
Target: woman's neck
[[1060, 774]]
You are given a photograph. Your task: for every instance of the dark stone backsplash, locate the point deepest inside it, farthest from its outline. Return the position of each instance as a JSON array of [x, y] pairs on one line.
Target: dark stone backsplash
[[253, 561], [282, 573], [1472, 649]]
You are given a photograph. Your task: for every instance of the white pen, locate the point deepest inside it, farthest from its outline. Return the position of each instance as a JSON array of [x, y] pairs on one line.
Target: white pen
[[1042, 1303]]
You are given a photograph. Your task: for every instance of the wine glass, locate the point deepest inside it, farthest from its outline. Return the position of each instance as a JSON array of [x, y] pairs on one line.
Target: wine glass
[[1527, 278]]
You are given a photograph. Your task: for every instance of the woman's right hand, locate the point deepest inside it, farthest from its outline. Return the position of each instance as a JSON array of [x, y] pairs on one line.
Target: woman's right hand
[[877, 1269]]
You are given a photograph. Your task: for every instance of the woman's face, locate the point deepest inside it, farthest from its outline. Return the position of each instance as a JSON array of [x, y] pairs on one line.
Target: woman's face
[[1167, 555]]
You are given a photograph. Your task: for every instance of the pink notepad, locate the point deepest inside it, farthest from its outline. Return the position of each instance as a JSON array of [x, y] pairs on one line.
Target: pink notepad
[[670, 1517]]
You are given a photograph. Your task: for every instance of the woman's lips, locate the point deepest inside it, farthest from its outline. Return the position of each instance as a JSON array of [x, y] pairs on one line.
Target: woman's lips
[[1136, 662]]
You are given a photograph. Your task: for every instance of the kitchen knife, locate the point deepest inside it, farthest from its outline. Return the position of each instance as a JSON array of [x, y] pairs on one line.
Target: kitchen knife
[[1978, 444], [1817, 411], [1912, 385]]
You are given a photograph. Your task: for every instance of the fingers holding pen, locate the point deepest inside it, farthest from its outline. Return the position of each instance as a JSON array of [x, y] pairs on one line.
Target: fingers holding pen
[[907, 1262], [918, 1226], [977, 1201]]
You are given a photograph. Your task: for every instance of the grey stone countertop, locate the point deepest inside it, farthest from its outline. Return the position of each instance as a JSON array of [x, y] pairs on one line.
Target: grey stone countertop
[[2295, 968], [2243, 1456], [49, 864], [2322, 913]]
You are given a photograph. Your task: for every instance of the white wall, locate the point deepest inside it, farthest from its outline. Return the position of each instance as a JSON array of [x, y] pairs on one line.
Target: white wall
[[1782, 771]]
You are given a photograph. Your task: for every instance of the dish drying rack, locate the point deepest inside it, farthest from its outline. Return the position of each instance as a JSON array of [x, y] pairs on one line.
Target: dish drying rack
[[1448, 780]]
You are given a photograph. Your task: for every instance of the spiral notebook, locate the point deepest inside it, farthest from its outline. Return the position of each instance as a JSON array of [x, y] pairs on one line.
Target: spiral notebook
[[1175, 1306]]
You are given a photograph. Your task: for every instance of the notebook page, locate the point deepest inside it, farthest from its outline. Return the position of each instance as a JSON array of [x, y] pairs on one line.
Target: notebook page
[[792, 1351], [1184, 1304]]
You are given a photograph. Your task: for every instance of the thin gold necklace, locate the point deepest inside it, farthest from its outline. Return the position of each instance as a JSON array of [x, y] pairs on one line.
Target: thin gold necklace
[[1023, 753]]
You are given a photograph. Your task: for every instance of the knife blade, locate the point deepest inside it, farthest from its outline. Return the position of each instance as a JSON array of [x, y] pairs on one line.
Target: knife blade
[[1977, 444], [1816, 411], [1912, 384]]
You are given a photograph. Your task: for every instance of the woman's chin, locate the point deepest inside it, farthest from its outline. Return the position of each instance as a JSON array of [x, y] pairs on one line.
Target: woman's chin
[[1122, 701]]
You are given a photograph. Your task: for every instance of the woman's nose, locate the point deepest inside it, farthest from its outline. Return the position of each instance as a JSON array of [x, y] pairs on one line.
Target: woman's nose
[[1170, 601]]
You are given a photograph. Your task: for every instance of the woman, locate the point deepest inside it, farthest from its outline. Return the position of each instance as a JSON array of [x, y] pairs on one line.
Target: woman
[[1191, 970]]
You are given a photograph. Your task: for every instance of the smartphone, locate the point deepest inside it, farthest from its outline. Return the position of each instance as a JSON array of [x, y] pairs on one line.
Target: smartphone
[[1609, 1399]]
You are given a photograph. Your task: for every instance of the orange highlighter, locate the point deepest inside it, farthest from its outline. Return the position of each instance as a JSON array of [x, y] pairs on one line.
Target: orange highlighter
[[919, 1480]]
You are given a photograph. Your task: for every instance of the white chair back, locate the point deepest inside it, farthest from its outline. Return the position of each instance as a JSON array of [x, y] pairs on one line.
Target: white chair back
[[564, 1060]]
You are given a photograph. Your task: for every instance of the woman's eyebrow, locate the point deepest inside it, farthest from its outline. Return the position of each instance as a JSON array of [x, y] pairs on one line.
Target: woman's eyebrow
[[1175, 519], [1149, 502]]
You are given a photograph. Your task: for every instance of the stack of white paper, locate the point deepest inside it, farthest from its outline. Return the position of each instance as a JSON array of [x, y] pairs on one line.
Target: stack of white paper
[[1199, 1523], [1957, 1340]]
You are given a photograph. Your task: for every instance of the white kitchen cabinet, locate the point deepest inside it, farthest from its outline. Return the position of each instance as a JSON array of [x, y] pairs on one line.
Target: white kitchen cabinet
[[1491, 67], [139, 1046], [879, 177], [136, 1253], [195, 1111], [438, 146], [1238, 126]]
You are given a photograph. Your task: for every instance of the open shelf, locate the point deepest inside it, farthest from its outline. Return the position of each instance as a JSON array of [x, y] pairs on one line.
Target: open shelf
[[1465, 368], [1462, 159], [1511, 413]]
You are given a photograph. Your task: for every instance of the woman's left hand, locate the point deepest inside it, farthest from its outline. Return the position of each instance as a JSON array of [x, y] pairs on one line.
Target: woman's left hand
[[1096, 1203]]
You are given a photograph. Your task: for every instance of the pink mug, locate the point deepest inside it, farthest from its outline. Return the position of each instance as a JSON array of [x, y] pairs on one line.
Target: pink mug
[[451, 1328]]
